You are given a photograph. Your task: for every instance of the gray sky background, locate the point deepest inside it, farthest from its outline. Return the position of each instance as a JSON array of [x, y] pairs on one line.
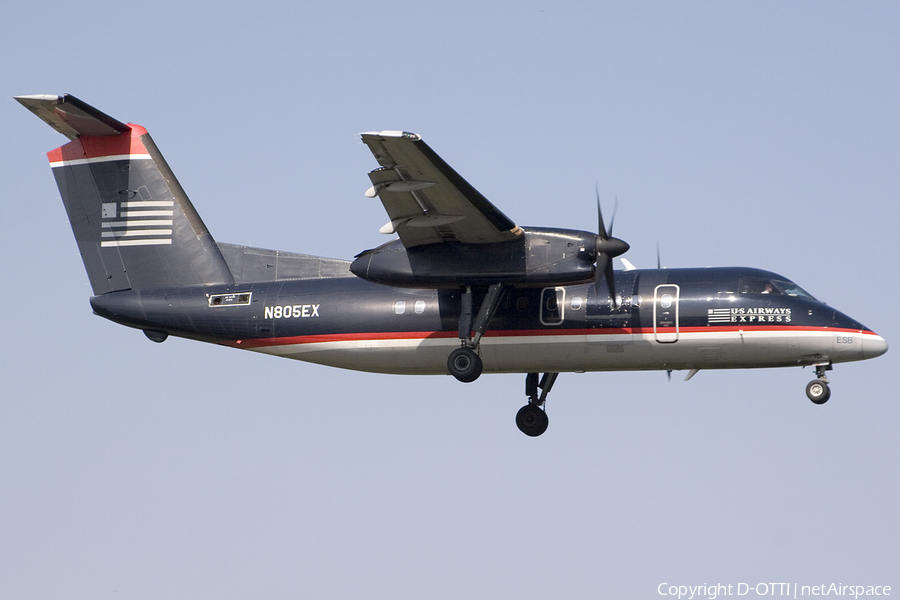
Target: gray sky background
[[760, 134]]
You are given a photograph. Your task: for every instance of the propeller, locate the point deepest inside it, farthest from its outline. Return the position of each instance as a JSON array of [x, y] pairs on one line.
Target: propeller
[[606, 248]]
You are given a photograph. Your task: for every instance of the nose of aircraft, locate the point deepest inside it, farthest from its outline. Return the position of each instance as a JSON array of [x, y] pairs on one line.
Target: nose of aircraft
[[874, 345]]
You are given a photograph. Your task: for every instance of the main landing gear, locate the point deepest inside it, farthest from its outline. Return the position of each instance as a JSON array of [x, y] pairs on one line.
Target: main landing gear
[[532, 418], [464, 363], [817, 390]]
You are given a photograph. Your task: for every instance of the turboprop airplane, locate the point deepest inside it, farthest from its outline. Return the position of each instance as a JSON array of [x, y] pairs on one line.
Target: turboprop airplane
[[461, 290]]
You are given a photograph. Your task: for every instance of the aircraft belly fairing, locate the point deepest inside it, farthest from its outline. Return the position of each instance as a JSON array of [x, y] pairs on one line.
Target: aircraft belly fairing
[[415, 355]]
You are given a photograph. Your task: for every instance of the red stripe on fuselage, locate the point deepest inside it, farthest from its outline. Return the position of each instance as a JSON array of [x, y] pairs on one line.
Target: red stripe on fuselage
[[100, 146], [341, 337], [424, 335]]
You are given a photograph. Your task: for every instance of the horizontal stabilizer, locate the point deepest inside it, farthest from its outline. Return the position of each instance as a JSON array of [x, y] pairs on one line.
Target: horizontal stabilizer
[[72, 117]]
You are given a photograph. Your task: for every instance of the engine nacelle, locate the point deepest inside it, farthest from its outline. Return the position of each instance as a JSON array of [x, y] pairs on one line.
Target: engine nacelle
[[540, 257]]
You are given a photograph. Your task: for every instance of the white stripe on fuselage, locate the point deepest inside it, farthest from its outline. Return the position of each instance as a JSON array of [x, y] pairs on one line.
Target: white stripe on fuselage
[[585, 352]]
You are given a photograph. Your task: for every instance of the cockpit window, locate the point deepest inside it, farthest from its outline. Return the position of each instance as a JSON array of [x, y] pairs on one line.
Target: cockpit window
[[762, 285], [792, 289], [757, 285]]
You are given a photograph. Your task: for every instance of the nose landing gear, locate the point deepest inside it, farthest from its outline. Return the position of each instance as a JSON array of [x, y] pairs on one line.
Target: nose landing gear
[[817, 390]]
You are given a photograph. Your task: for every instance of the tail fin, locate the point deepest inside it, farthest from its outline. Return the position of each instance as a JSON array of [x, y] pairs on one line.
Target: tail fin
[[134, 225]]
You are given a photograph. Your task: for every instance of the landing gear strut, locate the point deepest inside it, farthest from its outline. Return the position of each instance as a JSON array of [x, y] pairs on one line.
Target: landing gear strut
[[817, 390], [464, 363], [532, 418]]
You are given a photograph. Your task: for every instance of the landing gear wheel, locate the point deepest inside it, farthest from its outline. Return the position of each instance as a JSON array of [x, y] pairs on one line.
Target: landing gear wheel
[[465, 365], [818, 391], [531, 420]]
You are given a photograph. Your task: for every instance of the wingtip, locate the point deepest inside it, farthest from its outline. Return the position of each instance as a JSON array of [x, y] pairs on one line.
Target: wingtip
[[42, 97], [392, 134]]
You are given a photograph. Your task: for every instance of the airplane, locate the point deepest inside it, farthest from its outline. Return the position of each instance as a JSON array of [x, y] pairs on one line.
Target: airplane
[[462, 290]]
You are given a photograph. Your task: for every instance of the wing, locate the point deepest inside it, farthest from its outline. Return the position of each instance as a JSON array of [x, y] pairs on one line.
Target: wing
[[427, 201]]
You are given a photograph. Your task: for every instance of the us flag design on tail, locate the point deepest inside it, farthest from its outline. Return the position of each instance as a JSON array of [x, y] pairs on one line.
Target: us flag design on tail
[[137, 222]]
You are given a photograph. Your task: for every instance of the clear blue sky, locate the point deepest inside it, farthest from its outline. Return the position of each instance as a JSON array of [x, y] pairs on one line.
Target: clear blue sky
[[743, 133]]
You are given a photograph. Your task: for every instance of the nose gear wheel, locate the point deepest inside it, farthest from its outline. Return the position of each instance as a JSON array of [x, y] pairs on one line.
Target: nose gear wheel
[[817, 390]]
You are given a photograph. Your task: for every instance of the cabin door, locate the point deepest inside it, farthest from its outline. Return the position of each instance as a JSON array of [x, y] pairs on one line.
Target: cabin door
[[553, 305], [665, 313]]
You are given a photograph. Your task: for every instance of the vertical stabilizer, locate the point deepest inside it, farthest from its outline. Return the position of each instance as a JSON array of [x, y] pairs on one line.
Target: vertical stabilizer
[[135, 226]]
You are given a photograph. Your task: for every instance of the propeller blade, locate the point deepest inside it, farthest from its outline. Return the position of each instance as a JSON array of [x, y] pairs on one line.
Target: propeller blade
[[613, 220], [602, 261], [611, 282], [607, 247], [605, 271], [601, 227]]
